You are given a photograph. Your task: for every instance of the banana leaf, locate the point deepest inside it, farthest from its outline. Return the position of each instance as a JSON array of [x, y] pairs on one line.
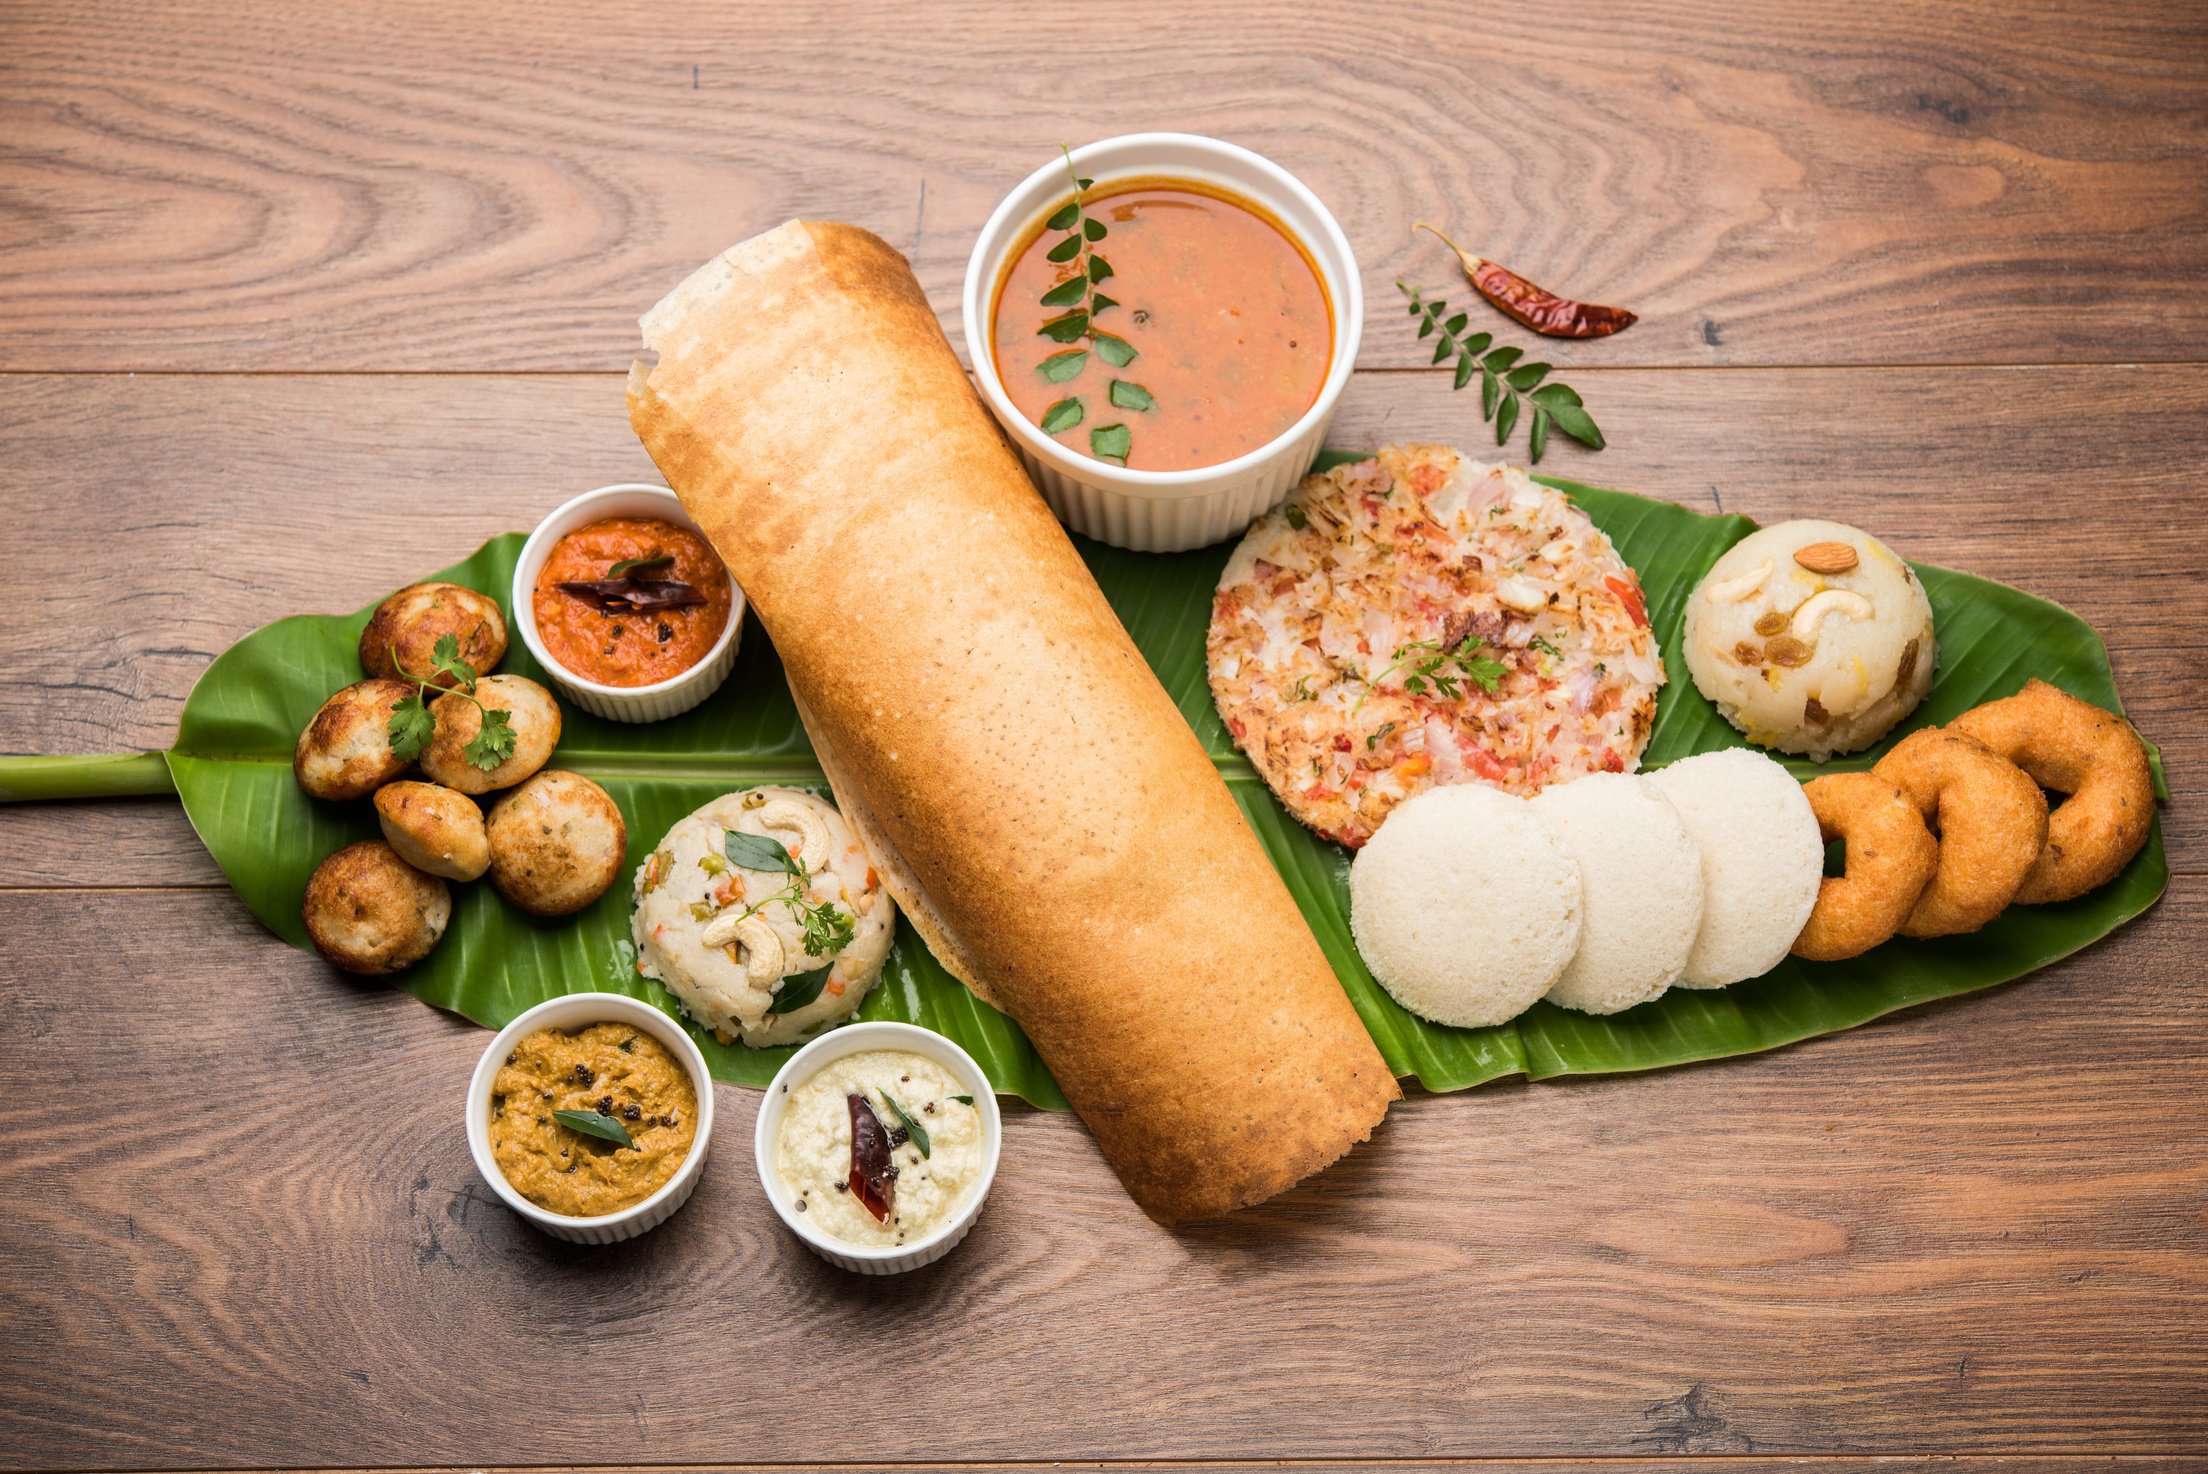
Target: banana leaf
[[231, 765]]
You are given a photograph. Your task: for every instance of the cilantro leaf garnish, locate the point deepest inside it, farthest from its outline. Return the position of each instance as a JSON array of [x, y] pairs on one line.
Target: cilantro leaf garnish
[[494, 741], [410, 728], [828, 928], [444, 657]]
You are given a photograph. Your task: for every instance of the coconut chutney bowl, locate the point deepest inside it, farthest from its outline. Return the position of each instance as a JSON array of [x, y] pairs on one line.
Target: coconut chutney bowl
[[974, 1136], [578, 1011]]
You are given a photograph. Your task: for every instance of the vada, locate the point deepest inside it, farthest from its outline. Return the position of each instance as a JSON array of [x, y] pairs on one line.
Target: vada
[[1991, 821], [2075, 748], [1890, 859]]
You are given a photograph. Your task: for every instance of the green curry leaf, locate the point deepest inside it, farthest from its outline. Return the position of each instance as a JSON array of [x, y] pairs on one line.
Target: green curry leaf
[[756, 851], [799, 989], [592, 1123], [913, 1129], [1063, 415]]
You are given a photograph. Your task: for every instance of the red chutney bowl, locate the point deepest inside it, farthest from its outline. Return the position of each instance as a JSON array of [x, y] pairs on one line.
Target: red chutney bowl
[[648, 703]]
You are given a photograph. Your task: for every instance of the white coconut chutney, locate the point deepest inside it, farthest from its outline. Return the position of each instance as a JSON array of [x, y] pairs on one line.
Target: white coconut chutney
[[934, 1133]]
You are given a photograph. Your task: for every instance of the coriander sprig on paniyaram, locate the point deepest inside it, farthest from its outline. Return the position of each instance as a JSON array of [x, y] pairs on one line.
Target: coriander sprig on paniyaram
[[413, 724]]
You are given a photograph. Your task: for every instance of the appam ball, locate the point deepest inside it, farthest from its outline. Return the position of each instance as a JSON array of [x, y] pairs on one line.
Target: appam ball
[[529, 708], [1761, 855], [345, 752], [434, 829], [1640, 877], [370, 912], [557, 843], [1465, 904], [401, 638]]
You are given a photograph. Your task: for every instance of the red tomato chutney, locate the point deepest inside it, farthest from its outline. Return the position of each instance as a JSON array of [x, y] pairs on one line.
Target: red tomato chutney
[[630, 647], [1226, 313]]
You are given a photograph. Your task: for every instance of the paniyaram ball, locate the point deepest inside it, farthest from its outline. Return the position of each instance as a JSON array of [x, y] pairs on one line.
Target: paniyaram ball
[[1466, 905], [1640, 877], [1762, 860]]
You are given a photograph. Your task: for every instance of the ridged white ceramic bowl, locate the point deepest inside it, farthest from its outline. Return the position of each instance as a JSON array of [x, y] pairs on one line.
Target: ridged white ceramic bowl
[[1167, 511], [671, 697], [575, 1011], [857, 1039]]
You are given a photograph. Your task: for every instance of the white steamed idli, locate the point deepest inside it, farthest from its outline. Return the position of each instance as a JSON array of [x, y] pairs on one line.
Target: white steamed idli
[[1762, 858], [1465, 905], [1640, 877]]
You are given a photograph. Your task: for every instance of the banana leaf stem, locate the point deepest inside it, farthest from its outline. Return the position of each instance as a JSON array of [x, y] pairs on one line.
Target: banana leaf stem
[[106, 775]]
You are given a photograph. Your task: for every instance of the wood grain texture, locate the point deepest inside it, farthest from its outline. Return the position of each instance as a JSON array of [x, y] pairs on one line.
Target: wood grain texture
[[1625, 1464], [229, 501], [250, 185], [248, 1233], [255, 1227]]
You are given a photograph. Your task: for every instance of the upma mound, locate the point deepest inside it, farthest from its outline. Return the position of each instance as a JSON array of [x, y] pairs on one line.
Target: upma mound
[[1465, 905]]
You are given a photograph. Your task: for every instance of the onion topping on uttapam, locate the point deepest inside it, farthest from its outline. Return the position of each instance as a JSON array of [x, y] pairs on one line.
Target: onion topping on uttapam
[[1419, 619]]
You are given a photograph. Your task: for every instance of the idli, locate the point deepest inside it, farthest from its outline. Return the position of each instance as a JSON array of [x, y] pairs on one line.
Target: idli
[[1640, 877], [1761, 860], [1465, 905]]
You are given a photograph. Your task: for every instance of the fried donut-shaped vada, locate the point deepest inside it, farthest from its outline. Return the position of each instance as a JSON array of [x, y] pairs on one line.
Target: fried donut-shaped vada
[[1991, 820], [1891, 857], [2072, 747]]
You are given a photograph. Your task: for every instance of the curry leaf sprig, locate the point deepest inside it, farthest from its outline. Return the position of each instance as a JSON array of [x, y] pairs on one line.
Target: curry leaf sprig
[[1506, 385], [1083, 304], [413, 724]]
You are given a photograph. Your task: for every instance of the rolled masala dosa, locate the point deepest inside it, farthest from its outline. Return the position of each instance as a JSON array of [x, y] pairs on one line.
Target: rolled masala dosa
[[978, 701]]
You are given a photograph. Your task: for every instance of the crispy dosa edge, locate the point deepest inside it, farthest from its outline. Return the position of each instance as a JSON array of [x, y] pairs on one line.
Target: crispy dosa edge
[[999, 725], [896, 875]]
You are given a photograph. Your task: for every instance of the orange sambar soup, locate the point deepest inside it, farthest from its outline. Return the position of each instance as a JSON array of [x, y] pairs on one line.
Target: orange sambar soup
[[1228, 317], [630, 647]]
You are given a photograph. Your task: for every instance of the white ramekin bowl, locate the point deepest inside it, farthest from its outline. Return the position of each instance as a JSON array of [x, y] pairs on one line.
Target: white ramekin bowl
[[857, 1039], [1167, 511], [575, 1011], [671, 697]]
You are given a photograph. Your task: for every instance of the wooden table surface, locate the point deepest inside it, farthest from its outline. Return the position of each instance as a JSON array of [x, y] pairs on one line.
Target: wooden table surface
[[297, 302]]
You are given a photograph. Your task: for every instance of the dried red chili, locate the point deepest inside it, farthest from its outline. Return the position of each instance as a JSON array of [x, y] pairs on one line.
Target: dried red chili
[[1536, 307], [873, 1173], [630, 593]]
